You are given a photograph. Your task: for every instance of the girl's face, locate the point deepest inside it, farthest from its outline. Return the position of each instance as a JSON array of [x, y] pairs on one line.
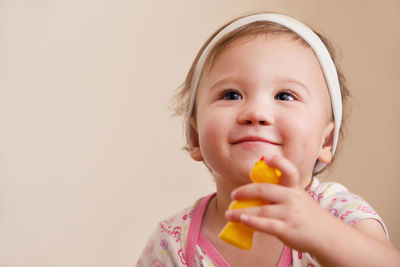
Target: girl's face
[[264, 96]]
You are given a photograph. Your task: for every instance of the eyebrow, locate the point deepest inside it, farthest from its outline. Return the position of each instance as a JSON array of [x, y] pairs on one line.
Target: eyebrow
[[227, 79], [291, 80]]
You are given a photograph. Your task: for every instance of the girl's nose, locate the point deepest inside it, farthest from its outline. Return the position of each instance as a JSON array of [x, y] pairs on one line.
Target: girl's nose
[[256, 114]]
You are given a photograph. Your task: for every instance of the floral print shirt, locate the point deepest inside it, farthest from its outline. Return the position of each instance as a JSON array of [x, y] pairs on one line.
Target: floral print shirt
[[177, 241]]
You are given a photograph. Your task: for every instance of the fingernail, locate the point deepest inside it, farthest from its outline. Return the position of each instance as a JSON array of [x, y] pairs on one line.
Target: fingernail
[[244, 218], [228, 213]]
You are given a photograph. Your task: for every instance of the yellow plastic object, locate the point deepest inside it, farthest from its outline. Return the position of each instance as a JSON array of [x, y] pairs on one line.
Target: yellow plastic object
[[236, 233]]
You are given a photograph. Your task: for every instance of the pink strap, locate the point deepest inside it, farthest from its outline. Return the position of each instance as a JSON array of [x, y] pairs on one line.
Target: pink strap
[[211, 252], [195, 237], [194, 229], [286, 258]]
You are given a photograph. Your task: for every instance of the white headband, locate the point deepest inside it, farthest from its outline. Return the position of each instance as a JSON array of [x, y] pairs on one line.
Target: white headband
[[322, 53]]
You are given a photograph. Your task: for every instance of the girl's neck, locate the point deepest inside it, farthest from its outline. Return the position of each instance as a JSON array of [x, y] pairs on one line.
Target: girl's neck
[[213, 222], [214, 218], [223, 198]]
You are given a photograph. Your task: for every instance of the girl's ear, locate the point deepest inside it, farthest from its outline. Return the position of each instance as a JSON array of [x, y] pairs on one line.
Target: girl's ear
[[325, 154], [194, 147]]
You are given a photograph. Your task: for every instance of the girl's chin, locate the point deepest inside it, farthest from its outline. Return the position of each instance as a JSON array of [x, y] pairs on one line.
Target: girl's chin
[[250, 158], [238, 172]]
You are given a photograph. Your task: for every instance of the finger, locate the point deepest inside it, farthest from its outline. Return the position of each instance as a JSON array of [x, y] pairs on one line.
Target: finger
[[266, 225], [267, 211], [290, 175], [264, 191]]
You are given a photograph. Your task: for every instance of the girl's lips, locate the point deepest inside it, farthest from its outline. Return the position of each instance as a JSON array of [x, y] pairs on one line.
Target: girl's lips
[[251, 139]]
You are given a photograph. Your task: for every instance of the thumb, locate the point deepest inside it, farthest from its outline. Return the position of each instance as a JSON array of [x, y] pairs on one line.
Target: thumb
[[290, 175]]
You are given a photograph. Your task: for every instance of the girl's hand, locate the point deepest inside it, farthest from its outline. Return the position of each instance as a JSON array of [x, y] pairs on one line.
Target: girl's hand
[[300, 222], [290, 213]]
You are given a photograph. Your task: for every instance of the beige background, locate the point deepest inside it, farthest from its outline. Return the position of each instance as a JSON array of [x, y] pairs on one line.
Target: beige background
[[90, 159]]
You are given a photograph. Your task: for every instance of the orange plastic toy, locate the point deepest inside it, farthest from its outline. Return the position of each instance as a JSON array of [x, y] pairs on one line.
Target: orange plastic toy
[[236, 233]]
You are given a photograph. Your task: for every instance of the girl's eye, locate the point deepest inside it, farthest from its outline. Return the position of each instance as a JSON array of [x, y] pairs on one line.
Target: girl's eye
[[285, 96], [231, 95]]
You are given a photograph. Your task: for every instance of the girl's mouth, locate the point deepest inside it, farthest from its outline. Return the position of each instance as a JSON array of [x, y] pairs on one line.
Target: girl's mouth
[[254, 139]]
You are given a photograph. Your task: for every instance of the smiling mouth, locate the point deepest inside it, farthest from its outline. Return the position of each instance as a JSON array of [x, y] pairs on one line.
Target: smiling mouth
[[254, 140]]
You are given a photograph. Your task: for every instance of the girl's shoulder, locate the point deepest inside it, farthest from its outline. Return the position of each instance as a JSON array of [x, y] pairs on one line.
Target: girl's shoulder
[[340, 202], [319, 190], [167, 242]]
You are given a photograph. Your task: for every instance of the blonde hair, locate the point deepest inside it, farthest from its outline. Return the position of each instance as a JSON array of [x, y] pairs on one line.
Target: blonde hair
[[183, 95]]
